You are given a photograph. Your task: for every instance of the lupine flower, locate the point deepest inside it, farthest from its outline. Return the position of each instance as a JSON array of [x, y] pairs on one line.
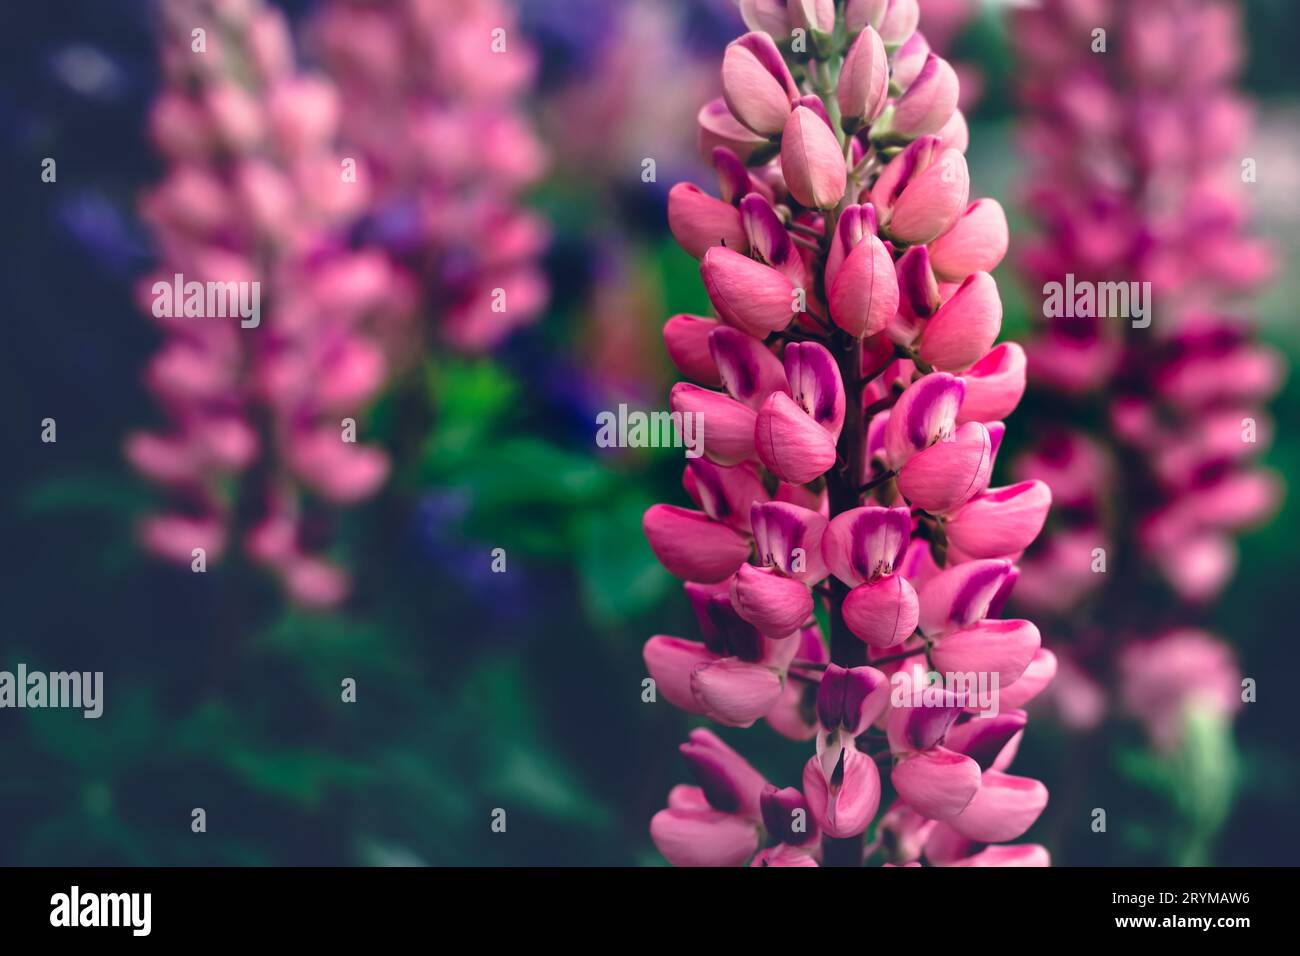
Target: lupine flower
[[1136, 177], [851, 398], [427, 89], [1162, 679], [255, 193]]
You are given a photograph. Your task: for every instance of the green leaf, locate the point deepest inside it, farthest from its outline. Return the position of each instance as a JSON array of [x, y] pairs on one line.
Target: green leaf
[[620, 575], [530, 471], [96, 491], [470, 399]]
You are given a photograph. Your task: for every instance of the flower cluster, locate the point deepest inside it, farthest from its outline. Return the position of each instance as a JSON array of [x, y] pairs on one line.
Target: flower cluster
[[850, 397], [1136, 181], [428, 89], [253, 209]]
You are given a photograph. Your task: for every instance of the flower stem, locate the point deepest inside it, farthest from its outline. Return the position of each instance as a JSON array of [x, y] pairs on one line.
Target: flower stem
[[842, 489]]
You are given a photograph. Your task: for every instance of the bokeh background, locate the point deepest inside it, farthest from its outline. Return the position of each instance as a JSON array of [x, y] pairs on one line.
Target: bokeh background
[[479, 690]]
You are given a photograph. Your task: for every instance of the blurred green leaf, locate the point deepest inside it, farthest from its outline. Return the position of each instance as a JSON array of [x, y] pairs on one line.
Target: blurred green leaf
[[87, 491], [302, 775], [530, 471], [470, 399], [620, 575], [679, 278]]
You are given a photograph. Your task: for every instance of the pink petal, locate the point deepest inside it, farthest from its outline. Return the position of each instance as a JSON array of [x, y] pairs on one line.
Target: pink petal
[[964, 328], [1001, 521], [949, 473], [735, 693], [698, 221], [936, 783], [691, 545], [790, 443], [1003, 809], [776, 605], [882, 613]]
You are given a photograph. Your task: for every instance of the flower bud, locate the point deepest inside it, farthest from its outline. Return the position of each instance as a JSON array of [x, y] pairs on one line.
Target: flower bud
[[815, 16], [922, 191], [856, 222], [698, 221], [757, 84], [864, 296], [859, 14], [812, 160], [928, 103], [909, 60], [899, 22], [863, 85], [748, 295], [955, 134], [790, 443], [769, 16]]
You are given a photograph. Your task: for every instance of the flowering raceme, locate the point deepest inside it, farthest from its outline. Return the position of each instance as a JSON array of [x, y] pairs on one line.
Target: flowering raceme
[[428, 89], [1136, 177], [255, 198], [851, 398]]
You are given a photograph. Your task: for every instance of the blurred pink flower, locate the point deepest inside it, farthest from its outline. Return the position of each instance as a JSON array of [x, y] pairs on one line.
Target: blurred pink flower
[[251, 218], [1163, 678], [428, 92], [1135, 179]]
